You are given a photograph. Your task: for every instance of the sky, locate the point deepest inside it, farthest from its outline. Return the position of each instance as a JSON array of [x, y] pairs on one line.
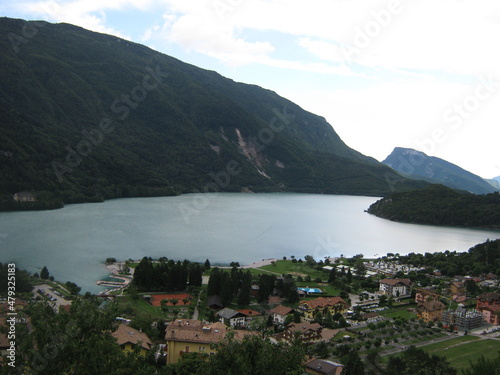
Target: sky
[[422, 74]]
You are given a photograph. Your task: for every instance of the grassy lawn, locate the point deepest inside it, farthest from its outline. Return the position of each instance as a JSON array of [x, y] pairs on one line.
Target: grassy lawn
[[460, 356], [420, 339], [140, 308], [341, 335], [446, 344], [398, 311], [296, 269]]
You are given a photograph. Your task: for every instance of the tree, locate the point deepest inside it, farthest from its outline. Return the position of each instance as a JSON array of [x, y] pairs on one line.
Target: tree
[[214, 282], [332, 276], [349, 276], [484, 366], [360, 268], [254, 355], [243, 297], [471, 288], [226, 290], [416, 361], [207, 265], [352, 362], [72, 287], [67, 342], [44, 273]]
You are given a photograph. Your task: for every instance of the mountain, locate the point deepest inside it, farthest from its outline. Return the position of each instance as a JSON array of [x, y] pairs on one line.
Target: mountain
[[86, 116], [416, 164], [495, 182], [440, 205]]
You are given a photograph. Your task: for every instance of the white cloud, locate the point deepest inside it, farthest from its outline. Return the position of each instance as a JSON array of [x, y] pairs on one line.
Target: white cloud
[[378, 118]]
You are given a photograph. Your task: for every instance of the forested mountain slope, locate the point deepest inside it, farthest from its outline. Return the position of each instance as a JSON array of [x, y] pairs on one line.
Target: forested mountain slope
[[87, 116]]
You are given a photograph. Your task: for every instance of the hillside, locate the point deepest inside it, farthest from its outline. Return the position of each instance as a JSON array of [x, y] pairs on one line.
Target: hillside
[[495, 182], [440, 205], [87, 116], [416, 164]]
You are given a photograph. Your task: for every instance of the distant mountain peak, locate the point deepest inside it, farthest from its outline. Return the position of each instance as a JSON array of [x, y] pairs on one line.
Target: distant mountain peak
[[416, 164]]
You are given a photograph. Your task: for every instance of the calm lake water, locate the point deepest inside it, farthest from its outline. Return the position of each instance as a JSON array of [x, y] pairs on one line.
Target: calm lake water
[[73, 242]]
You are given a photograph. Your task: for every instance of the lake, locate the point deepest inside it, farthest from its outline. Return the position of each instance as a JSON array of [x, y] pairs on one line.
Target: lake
[[74, 242]]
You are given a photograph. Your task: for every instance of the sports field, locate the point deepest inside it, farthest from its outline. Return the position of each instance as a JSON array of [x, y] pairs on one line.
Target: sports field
[[462, 350]]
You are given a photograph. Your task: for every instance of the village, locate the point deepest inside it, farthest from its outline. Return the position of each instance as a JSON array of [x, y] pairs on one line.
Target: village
[[371, 306]]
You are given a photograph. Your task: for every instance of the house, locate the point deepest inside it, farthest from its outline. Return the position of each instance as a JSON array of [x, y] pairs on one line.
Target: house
[[457, 288], [488, 300], [231, 317], [491, 315], [129, 338], [194, 336], [489, 306], [424, 295], [249, 314], [24, 196], [306, 332], [396, 287], [322, 304], [431, 311], [280, 313], [323, 367], [274, 300]]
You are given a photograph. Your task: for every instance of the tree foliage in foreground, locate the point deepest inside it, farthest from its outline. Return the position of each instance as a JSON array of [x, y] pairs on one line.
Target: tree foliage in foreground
[[415, 361], [252, 355], [484, 366], [74, 342]]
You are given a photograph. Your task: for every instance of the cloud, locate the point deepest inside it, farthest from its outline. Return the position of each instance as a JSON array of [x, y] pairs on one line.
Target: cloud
[[90, 14]]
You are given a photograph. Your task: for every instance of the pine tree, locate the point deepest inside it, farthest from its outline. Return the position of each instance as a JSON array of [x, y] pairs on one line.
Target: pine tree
[[44, 273], [243, 298]]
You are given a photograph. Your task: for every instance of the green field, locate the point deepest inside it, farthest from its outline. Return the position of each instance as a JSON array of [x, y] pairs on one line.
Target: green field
[[401, 311], [284, 267], [467, 349]]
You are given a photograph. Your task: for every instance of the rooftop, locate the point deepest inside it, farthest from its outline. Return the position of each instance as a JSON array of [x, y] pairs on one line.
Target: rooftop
[[281, 310], [125, 334], [324, 302]]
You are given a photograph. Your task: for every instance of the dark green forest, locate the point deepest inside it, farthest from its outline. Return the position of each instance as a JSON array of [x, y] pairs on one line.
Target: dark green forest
[[167, 275], [86, 117], [439, 205]]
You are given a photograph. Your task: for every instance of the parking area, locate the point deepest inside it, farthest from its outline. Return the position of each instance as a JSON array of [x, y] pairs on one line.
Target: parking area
[[53, 296]]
